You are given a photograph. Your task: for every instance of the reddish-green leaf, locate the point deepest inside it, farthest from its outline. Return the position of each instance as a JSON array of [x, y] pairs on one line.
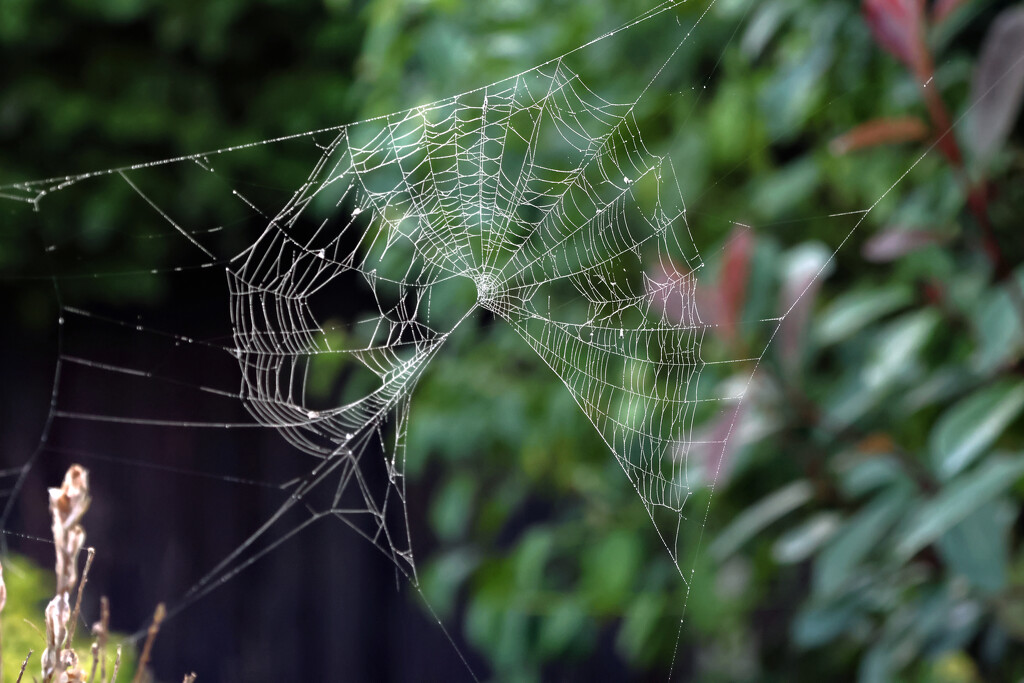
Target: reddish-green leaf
[[942, 9], [896, 242], [733, 278], [885, 131], [998, 85], [898, 26]]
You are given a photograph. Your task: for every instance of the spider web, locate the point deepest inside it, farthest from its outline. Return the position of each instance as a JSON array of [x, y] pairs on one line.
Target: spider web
[[454, 191], [399, 212]]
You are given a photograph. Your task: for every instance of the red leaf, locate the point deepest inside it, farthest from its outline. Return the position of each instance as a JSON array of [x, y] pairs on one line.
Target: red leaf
[[898, 26], [733, 279], [677, 295], [880, 132]]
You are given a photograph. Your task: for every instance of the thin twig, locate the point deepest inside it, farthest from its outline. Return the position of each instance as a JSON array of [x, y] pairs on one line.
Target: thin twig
[[117, 665], [23, 665], [70, 641], [154, 628], [95, 650], [101, 637]]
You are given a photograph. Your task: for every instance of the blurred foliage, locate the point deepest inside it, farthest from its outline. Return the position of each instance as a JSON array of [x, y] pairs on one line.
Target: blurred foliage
[[29, 589], [866, 520]]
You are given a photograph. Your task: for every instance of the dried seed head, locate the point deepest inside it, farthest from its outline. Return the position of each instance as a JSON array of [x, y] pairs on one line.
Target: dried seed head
[[67, 505], [68, 659], [57, 614], [72, 676], [71, 500]]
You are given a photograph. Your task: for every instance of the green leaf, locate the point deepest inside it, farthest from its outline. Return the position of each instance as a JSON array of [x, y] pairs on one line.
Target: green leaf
[[609, 568], [532, 556], [959, 499], [444, 576], [895, 357], [796, 545], [851, 312], [978, 547], [566, 621], [964, 431], [823, 623], [732, 126], [868, 475], [760, 515], [788, 99], [877, 665], [896, 351], [945, 383], [785, 189], [767, 19], [851, 545], [946, 619], [997, 328], [450, 512], [639, 623]]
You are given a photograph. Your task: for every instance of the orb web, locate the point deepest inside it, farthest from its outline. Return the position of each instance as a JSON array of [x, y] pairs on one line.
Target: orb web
[[454, 191]]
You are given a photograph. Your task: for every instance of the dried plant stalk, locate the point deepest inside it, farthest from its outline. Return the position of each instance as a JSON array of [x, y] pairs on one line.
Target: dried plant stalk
[[117, 665], [67, 506], [95, 650], [23, 665], [57, 614], [78, 601], [154, 628], [101, 629]]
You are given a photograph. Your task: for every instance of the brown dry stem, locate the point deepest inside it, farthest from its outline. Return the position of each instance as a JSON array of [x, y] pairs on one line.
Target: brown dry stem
[[117, 665], [78, 601], [154, 628], [23, 665]]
